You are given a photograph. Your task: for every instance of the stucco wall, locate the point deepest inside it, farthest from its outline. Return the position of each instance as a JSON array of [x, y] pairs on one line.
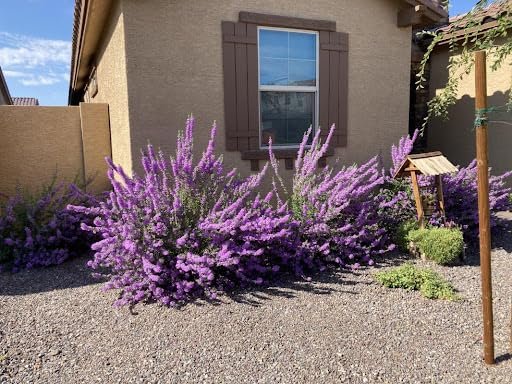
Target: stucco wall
[[174, 67], [456, 137], [38, 143], [112, 85]]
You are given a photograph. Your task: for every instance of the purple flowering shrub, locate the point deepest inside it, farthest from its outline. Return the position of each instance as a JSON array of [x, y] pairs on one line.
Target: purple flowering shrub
[[400, 152], [397, 202], [459, 189], [184, 231], [37, 230], [461, 198], [338, 212]]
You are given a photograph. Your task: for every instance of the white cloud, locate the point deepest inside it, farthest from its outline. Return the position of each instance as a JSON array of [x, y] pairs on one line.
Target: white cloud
[[34, 61], [29, 51], [40, 80], [15, 74]]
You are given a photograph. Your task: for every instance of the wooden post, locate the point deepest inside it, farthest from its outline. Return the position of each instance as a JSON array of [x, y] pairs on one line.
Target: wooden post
[[440, 196], [483, 206], [417, 198]]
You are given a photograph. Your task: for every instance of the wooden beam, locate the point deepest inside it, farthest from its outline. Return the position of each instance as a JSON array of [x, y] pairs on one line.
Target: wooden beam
[[427, 154], [440, 196], [287, 22], [411, 16], [417, 199]]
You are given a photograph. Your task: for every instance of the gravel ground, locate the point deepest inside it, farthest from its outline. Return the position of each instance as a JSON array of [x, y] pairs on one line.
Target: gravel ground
[[56, 326]]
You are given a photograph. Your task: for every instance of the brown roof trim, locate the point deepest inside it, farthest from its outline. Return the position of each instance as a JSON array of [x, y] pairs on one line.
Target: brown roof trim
[[4, 88], [470, 32], [78, 27], [90, 19], [458, 28]]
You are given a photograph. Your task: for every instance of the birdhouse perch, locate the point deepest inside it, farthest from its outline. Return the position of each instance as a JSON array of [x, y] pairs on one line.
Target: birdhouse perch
[[427, 164]]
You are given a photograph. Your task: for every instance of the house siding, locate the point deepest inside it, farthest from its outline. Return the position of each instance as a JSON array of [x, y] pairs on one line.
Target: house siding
[[3, 99], [111, 75], [174, 67], [456, 137]]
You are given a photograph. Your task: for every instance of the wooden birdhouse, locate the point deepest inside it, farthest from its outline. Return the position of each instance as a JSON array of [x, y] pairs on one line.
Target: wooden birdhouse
[[426, 197]]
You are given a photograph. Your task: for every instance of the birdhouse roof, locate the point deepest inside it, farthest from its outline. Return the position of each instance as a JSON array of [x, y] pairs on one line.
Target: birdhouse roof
[[428, 164]]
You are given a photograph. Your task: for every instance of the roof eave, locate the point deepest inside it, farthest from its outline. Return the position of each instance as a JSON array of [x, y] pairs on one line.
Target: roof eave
[[90, 19], [5, 88], [421, 13]]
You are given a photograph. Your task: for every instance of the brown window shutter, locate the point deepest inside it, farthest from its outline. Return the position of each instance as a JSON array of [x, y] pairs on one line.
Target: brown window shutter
[[334, 85], [240, 57]]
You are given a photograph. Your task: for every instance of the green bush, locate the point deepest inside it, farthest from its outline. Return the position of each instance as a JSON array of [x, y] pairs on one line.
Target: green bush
[[401, 236], [442, 245], [430, 284]]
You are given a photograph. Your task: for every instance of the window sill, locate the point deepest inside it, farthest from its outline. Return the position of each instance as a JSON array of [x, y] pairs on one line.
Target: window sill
[[288, 154]]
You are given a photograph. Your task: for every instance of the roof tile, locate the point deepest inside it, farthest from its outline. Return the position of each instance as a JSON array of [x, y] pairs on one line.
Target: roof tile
[[25, 101]]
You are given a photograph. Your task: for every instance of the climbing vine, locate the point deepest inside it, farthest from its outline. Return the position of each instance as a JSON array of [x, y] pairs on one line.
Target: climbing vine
[[496, 41]]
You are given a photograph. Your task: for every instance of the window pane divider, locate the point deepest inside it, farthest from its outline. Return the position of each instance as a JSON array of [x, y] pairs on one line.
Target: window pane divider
[[287, 88]]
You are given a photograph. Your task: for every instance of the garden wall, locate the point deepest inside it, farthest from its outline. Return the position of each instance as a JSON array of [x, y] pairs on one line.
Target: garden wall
[[37, 143]]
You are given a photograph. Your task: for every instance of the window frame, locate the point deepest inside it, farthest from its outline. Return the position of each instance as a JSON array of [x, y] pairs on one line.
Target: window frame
[[289, 88]]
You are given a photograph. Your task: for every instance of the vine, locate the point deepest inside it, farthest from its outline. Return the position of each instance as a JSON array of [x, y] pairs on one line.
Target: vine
[[462, 49]]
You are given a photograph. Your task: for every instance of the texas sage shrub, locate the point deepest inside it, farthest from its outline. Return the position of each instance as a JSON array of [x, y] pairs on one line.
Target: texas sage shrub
[[459, 189], [395, 195], [337, 211], [461, 198], [184, 230], [37, 229]]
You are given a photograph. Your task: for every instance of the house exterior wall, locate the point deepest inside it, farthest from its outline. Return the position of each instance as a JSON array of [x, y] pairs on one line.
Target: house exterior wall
[[111, 76], [456, 137], [174, 67], [40, 143], [3, 98]]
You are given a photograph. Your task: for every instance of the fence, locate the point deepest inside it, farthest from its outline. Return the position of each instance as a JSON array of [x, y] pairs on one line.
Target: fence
[[38, 143]]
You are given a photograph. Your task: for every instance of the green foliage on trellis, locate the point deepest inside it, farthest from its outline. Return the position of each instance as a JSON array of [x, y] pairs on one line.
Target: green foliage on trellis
[[462, 51]]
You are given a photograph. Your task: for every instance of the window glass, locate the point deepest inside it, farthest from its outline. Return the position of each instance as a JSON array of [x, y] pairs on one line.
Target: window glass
[[288, 85], [287, 58], [286, 116]]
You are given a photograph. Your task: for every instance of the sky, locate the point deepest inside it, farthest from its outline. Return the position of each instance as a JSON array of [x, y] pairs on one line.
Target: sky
[[35, 46]]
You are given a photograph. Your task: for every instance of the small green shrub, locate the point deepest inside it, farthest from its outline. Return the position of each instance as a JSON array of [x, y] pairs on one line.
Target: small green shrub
[[430, 284], [442, 245], [401, 236]]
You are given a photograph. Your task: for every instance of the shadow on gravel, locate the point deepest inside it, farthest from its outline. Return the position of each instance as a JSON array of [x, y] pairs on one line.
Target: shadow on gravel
[[503, 358], [71, 274], [288, 287]]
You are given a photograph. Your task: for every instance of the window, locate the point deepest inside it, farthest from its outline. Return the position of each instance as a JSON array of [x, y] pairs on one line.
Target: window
[[288, 84], [281, 76]]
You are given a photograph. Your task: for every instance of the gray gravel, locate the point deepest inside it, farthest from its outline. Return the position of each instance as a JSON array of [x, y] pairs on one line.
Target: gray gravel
[[56, 326]]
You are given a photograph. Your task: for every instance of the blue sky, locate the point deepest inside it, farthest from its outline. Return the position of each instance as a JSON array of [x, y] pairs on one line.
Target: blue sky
[[35, 46]]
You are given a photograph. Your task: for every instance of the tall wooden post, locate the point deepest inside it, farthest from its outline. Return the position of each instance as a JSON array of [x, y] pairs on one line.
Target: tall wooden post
[[483, 205]]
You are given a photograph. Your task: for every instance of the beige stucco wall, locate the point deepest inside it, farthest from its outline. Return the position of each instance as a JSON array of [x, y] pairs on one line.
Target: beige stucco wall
[[174, 67], [38, 143], [112, 85], [95, 131], [456, 137]]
